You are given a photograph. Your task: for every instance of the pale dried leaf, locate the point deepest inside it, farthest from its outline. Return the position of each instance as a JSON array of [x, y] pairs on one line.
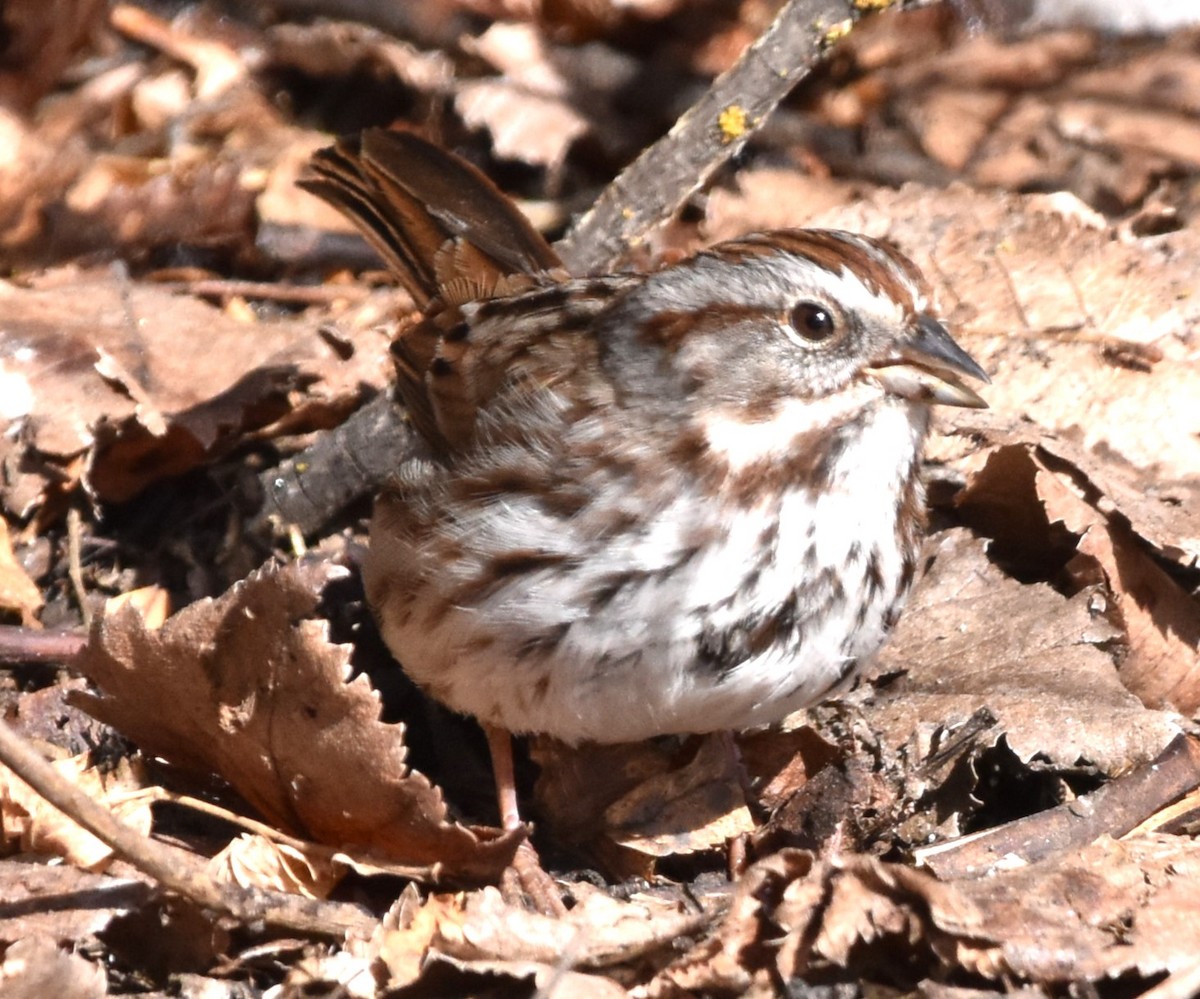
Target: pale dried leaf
[[256, 862], [525, 126], [528, 110], [696, 807], [39, 827], [17, 591]]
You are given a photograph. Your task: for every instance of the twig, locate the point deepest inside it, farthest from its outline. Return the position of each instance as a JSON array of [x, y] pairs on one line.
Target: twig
[[1115, 809], [652, 189], [175, 869], [75, 563], [25, 645], [355, 458], [269, 291]]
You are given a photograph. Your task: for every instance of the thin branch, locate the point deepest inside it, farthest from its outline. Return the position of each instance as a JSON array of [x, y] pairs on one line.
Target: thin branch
[[654, 187], [175, 869], [26, 645], [1115, 809]]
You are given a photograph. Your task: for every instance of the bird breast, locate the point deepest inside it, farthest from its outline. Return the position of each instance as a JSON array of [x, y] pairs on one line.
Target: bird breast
[[690, 602]]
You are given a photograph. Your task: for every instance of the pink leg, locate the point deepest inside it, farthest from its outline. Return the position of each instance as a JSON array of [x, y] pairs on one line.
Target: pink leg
[[530, 877], [500, 746]]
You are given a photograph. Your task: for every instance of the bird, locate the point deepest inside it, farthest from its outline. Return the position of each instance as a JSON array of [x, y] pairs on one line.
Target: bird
[[680, 501]]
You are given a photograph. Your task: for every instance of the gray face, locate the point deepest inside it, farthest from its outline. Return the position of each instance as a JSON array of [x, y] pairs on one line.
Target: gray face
[[800, 314]]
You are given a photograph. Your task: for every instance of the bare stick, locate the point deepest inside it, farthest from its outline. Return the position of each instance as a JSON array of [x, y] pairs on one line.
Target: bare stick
[[175, 869], [654, 187], [1114, 809], [26, 645]]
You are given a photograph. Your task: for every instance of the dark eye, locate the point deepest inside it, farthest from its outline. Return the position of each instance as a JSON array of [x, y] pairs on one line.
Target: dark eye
[[813, 321]]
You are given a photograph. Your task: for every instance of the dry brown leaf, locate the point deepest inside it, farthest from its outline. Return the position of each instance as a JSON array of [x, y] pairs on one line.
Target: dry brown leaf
[[528, 110], [598, 932], [1036, 294], [576, 784], [1023, 492], [62, 902], [17, 591], [631, 804], [732, 960], [270, 708], [696, 807], [1110, 909], [256, 862], [1037, 660], [480, 936], [334, 48], [36, 967], [148, 383], [1089, 916], [38, 827]]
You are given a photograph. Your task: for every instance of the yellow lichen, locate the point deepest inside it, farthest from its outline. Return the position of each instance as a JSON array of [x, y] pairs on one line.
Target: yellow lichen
[[733, 122]]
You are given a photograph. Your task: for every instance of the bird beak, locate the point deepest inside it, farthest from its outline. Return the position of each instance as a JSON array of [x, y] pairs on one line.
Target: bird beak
[[925, 367]]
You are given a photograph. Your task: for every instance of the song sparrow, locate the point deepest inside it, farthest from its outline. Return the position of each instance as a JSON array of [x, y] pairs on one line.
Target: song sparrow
[[674, 502]]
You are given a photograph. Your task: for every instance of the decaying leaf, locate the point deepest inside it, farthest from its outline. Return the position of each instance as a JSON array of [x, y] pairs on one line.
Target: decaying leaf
[[695, 807], [1024, 493], [1089, 915], [485, 934], [249, 687], [149, 384], [525, 110], [33, 824], [1037, 660], [18, 592], [256, 862]]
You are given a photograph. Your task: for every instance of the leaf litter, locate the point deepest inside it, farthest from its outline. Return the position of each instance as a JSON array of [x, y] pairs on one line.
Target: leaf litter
[[1049, 655]]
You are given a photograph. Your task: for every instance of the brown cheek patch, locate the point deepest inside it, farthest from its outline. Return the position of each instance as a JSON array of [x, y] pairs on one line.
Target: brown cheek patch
[[669, 329]]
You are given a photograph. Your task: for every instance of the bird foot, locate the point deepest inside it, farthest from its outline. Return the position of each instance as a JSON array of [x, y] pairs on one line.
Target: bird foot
[[525, 882]]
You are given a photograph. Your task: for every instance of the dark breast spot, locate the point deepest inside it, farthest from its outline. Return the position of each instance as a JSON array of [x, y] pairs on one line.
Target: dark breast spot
[[723, 650]]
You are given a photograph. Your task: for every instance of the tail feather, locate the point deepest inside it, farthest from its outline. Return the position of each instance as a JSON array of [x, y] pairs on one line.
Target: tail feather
[[438, 222]]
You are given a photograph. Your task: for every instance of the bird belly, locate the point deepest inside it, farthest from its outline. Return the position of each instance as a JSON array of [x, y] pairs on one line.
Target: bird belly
[[710, 616]]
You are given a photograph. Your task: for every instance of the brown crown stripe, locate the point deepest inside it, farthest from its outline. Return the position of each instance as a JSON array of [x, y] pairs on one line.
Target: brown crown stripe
[[834, 250]]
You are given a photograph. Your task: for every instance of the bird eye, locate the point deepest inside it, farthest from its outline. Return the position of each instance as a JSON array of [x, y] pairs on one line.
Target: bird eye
[[813, 321]]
